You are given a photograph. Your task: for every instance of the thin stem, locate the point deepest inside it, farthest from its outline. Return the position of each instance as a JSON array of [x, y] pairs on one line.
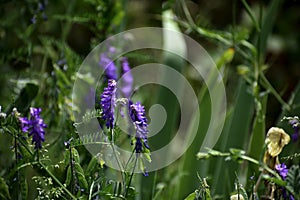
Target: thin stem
[[127, 163], [205, 32], [117, 159], [187, 13], [154, 183], [131, 176], [27, 164], [44, 167], [256, 186], [73, 169], [18, 173], [57, 181], [268, 86], [91, 190], [251, 15]]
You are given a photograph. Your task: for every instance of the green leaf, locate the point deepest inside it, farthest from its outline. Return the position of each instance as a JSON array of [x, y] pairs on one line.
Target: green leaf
[[191, 196], [147, 154], [4, 192], [293, 179], [67, 158], [26, 96], [234, 134], [80, 176], [267, 24], [63, 80], [256, 143], [91, 166], [251, 15], [75, 155], [69, 176], [24, 187]]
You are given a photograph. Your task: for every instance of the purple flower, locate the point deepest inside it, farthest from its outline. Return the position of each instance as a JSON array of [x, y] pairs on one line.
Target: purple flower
[[108, 101], [35, 126], [41, 6], [109, 66], [286, 195], [127, 80], [282, 170], [33, 19], [295, 124], [138, 117]]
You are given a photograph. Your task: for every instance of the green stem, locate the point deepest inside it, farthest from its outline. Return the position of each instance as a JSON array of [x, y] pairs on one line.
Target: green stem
[[57, 181], [251, 15], [187, 13], [91, 190], [73, 170], [43, 166], [131, 177], [154, 183], [117, 159], [268, 86], [132, 153]]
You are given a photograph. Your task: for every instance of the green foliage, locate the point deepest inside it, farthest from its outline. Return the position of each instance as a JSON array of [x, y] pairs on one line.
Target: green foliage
[[41, 50], [202, 193], [4, 192], [293, 180]]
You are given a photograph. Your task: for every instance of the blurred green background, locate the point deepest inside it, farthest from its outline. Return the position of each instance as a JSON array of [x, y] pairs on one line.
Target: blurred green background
[[35, 39]]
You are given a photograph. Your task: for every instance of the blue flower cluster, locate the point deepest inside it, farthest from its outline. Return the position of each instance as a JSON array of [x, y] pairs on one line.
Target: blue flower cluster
[[138, 116], [295, 124], [136, 112], [283, 172], [34, 126], [110, 69], [108, 99], [41, 7]]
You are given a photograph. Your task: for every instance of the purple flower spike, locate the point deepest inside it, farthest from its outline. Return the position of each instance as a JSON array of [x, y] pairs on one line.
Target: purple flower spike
[[282, 170], [138, 117], [35, 126], [127, 80], [108, 101], [295, 124], [109, 66]]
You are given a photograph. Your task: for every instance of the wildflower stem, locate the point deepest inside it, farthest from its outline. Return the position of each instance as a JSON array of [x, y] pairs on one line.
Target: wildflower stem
[[251, 15], [56, 180], [256, 186], [44, 167], [91, 190], [117, 159], [268, 85], [18, 172], [129, 159], [127, 188]]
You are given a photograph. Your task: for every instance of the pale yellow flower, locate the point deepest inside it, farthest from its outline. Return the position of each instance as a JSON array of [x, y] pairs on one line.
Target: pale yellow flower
[[236, 197], [276, 139]]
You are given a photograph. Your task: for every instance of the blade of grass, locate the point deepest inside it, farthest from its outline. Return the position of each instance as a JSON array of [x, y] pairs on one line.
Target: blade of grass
[[166, 97], [190, 165], [251, 15], [234, 135], [267, 26], [259, 129], [256, 143]]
